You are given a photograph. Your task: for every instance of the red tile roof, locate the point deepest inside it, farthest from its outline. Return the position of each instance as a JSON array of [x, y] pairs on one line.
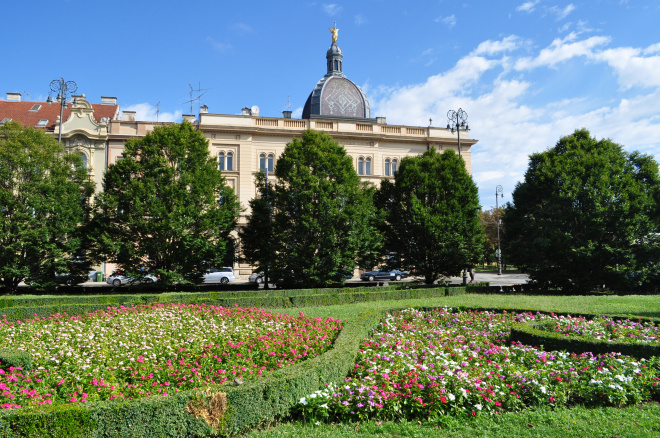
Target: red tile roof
[[20, 111]]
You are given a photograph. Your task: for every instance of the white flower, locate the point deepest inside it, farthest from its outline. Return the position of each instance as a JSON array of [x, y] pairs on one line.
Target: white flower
[[303, 401], [543, 389], [478, 406], [451, 397]]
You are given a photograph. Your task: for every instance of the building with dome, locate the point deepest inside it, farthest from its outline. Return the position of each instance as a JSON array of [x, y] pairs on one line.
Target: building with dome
[[246, 143]]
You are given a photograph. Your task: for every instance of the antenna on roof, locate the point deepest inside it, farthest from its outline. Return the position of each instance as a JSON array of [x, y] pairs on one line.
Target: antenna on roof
[[287, 105], [157, 110], [28, 95], [197, 97]]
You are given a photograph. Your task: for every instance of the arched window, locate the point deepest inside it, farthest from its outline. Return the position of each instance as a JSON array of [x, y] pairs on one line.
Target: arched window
[[83, 158], [394, 164], [387, 167], [336, 65], [266, 161], [230, 161], [221, 161], [360, 166], [367, 166]]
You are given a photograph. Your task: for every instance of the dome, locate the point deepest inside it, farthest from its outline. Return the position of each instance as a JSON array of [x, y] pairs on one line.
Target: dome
[[335, 95]]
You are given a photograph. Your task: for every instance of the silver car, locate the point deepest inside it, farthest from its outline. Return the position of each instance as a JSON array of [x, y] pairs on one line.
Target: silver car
[[219, 275], [118, 280]]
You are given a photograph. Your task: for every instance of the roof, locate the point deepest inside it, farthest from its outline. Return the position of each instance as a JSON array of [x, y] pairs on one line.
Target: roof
[[20, 111]]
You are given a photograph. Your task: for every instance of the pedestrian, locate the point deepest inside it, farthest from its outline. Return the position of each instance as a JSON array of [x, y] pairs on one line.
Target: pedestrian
[[471, 274]]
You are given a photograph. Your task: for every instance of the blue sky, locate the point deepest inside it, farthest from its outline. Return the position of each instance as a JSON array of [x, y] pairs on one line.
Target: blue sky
[[527, 72]]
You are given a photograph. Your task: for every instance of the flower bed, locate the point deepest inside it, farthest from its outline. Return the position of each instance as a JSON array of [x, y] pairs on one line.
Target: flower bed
[[604, 329], [421, 365], [133, 352]]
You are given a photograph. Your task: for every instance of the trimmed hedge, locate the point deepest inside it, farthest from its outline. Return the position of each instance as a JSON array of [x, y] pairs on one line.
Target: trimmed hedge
[[272, 299], [15, 358], [533, 333]]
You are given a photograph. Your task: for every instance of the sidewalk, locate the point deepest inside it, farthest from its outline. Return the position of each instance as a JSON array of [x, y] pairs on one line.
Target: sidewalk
[[506, 279]]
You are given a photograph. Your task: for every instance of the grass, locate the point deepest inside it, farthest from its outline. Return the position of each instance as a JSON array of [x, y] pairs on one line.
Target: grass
[[579, 422], [636, 421]]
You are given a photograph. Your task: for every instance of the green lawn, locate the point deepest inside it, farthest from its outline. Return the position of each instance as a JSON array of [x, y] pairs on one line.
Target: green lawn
[[579, 422]]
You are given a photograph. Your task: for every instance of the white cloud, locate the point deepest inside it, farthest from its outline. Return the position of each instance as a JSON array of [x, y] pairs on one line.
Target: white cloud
[[528, 6], [450, 20], [297, 113], [147, 112], [490, 47], [562, 50], [653, 48], [359, 19], [332, 9], [561, 13], [242, 27], [631, 68], [218, 45]]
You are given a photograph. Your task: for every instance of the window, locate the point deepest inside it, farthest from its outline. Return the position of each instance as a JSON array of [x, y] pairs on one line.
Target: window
[[5, 121], [35, 107], [266, 160], [360, 166], [387, 167], [42, 123], [226, 161], [394, 163], [83, 159], [367, 166]]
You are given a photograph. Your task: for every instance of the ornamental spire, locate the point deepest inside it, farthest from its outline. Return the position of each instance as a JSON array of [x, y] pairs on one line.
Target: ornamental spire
[[334, 31]]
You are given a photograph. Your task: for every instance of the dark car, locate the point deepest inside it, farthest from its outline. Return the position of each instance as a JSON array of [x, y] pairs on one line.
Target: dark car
[[383, 274], [58, 278]]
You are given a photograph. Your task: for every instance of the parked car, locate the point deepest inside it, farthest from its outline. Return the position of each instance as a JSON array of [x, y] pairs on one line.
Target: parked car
[[257, 277], [383, 274], [58, 278], [118, 279], [219, 275]]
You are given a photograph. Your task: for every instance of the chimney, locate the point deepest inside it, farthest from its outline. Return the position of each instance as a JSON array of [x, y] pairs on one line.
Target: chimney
[[204, 109], [247, 111], [287, 114], [189, 117], [381, 120], [128, 116], [105, 100], [13, 97]]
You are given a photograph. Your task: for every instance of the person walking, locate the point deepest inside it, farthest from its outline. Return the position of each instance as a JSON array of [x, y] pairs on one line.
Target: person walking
[[471, 270]]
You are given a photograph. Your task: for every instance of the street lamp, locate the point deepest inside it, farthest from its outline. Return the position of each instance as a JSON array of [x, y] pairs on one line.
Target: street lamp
[[498, 191], [62, 88], [457, 121]]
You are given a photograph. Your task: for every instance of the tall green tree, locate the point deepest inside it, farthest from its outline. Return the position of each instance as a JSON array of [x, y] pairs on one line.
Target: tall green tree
[[586, 215], [44, 195], [166, 207], [432, 215], [314, 215]]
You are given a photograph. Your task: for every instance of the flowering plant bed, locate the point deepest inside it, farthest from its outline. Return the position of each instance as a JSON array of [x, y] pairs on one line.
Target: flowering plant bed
[[156, 349], [604, 328], [422, 365]]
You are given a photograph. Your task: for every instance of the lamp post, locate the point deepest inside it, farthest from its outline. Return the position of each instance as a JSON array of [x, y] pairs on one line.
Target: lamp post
[[457, 121], [62, 88], [498, 191]]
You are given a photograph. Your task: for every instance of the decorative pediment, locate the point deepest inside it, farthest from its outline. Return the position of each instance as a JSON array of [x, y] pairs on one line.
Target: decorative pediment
[[82, 121]]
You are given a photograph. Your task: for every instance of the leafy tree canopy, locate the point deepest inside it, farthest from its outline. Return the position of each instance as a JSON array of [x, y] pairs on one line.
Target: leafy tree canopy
[[586, 215], [314, 219], [43, 207], [166, 207], [433, 215]]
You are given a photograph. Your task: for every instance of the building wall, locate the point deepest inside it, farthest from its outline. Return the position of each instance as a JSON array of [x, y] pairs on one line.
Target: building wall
[[248, 136]]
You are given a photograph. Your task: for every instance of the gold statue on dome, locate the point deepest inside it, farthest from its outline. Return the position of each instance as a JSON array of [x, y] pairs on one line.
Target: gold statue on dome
[[334, 31]]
